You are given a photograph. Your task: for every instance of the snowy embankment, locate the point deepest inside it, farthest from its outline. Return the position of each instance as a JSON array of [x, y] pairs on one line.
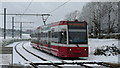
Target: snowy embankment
[[5, 41], [10, 40]]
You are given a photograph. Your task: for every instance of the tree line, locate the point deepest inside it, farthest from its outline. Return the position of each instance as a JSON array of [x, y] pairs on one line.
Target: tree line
[[102, 17]]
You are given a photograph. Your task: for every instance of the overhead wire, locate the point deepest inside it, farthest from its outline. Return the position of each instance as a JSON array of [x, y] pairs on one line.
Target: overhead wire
[[26, 8], [25, 11], [59, 6]]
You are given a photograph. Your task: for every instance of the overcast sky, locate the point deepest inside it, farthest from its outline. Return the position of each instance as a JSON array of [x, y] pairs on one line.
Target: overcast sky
[[39, 7]]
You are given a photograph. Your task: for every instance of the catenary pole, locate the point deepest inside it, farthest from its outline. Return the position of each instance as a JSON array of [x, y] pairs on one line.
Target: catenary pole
[[4, 23], [12, 27], [20, 29]]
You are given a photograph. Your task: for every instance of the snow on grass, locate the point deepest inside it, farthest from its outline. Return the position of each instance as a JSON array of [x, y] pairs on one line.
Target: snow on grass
[[111, 59], [7, 59], [97, 43], [7, 40]]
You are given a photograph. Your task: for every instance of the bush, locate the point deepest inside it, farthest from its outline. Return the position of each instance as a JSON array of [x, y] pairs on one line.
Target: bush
[[117, 37], [91, 36], [99, 52], [107, 51]]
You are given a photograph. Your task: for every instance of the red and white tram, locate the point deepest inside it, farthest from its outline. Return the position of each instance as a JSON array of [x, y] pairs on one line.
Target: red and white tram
[[62, 39]]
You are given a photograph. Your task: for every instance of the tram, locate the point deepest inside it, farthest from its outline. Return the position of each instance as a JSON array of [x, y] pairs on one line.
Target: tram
[[66, 39]]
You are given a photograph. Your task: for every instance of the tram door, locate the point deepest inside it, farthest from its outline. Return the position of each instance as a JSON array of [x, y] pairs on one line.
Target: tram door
[[49, 40]]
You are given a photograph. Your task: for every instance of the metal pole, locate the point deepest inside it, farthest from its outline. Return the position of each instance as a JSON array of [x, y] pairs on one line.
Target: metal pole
[[12, 27], [4, 23], [12, 57], [20, 29], [44, 23], [43, 20], [118, 17]]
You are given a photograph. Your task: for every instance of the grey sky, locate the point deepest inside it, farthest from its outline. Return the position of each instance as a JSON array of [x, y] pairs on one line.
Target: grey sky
[[39, 7]]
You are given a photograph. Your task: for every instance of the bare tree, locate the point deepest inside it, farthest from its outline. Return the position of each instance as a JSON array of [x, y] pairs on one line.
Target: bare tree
[[102, 17], [72, 16]]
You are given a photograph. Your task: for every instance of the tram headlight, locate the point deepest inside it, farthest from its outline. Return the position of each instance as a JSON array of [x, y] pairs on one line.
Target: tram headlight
[[70, 49]]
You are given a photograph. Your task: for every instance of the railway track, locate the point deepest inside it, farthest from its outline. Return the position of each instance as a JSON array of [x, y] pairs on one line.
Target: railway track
[[48, 60], [40, 57], [59, 64], [31, 63], [23, 56]]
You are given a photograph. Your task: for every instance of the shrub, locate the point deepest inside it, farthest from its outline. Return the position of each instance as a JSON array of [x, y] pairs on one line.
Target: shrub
[[117, 37], [107, 51]]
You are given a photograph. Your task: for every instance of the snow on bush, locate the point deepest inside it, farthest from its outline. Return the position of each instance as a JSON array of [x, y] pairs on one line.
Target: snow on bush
[[107, 51], [9, 41]]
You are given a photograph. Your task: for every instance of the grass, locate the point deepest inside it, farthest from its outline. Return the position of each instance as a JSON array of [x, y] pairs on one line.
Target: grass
[[16, 66]]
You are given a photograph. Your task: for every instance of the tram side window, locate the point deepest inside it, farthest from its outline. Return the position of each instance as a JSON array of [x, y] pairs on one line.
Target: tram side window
[[39, 36], [55, 37], [42, 36], [63, 37]]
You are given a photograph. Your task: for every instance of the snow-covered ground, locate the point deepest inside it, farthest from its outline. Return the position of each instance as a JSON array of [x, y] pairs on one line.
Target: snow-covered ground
[[16, 57], [97, 43], [25, 36], [93, 44]]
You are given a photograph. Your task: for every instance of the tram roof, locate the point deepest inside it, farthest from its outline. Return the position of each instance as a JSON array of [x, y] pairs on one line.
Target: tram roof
[[58, 23]]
